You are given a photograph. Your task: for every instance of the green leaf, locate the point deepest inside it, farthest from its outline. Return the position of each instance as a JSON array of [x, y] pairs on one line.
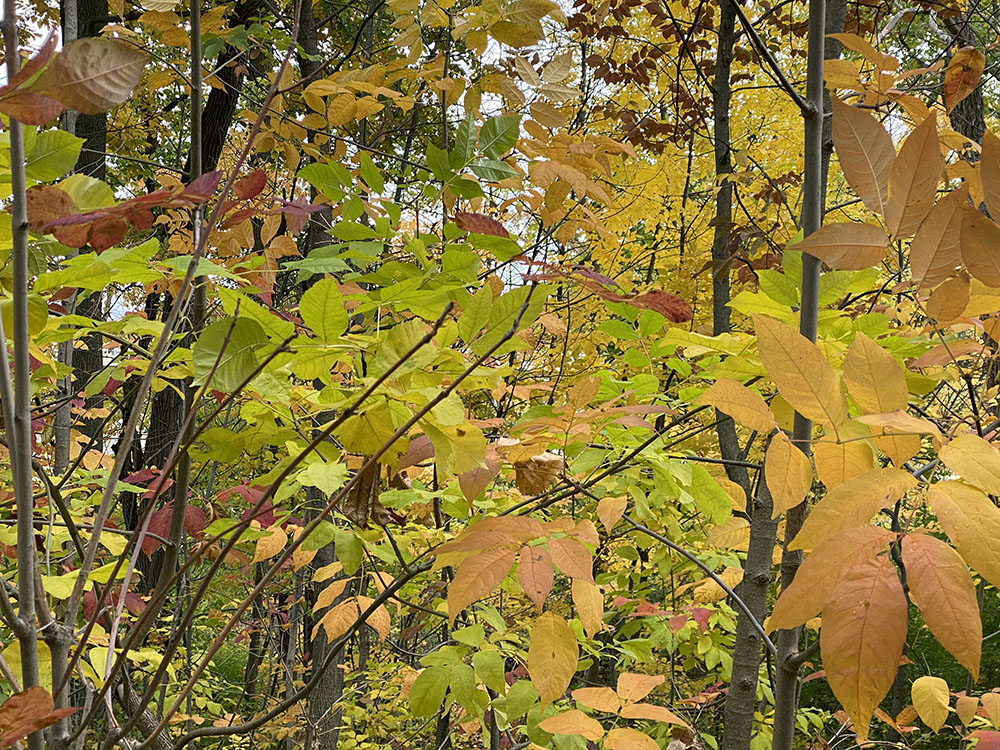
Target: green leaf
[[498, 135], [238, 358], [87, 192], [711, 499], [53, 154], [475, 314], [322, 309], [94, 275], [465, 143], [326, 477], [489, 666], [332, 180], [438, 163], [504, 312], [370, 173], [349, 550], [493, 170], [428, 691]]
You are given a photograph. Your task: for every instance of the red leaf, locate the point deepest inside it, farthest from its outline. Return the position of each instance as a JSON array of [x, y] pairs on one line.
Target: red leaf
[[479, 224], [30, 109], [194, 520], [250, 186], [107, 232], [201, 188], [672, 307], [159, 524]]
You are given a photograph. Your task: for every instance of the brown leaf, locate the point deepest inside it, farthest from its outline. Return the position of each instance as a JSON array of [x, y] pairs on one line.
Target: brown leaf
[[962, 75], [534, 475], [936, 249], [670, 306], [27, 712], [46, 203], [480, 224], [866, 153], [850, 246], [91, 74], [914, 179], [861, 641]]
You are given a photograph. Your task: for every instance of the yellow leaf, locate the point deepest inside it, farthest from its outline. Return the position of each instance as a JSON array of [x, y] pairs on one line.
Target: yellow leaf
[[633, 686], [327, 596], [862, 638], [602, 699], [973, 459], [650, 712], [874, 378], [589, 601], [966, 707], [552, 656], [864, 48], [980, 238], [841, 74], [962, 75], [930, 698], [991, 702], [338, 620], [610, 510], [629, 739], [270, 545], [838, 462], [972, 522], [739, 402], [940, 585], [788, 474], [936, 248], [476, 577], [900, 420], [573, 722], [821, 572], [733, 534], [849, 246], [866, 153], [535, 574], [852, 504], [914, 179]]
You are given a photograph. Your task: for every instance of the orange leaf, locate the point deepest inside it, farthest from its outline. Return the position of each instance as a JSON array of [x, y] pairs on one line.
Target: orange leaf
[[940, 585], [634, 687], [598, 698], [864, 629], [572, 558], [573, 722], [629, 739], [552, 656], [914, 179], [535, 574], [27, 712], [476, 577], [652, 713], [821, 572], [949, 300]]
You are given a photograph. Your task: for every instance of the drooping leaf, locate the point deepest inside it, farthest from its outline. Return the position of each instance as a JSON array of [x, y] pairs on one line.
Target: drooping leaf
[[27, 712], [962, 75], [836, 462], [801, 372], [589, 602], [852, 504], [322, 309], [914, 179], [930, 698], [936, 249], [788, 473], [610, 510], [940, 585], [535, 574], [849, 246], [552, 656], [822, 571], [476, 577], [225, 353], [866, 154], [966, 707], [972, 522], [742, 404], [862, 638]]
